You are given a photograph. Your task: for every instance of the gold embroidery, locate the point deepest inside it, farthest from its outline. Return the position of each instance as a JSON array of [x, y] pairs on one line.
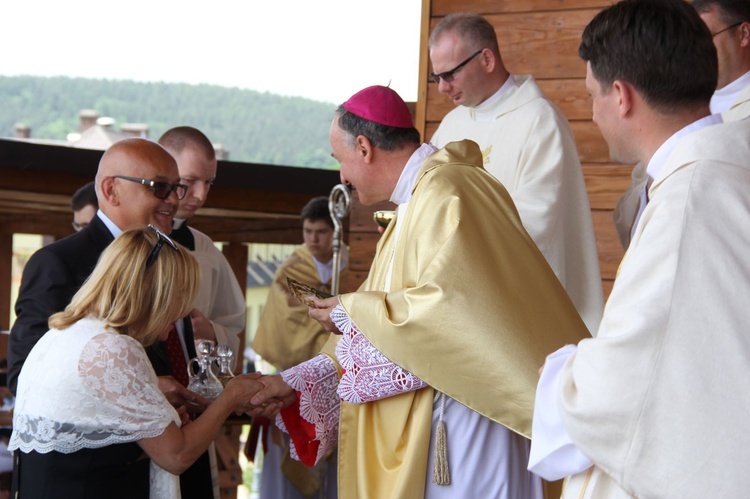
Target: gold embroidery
[[486, 154]]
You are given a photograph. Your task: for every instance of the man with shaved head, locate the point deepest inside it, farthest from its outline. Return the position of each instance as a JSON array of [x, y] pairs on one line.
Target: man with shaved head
[[137, 184]]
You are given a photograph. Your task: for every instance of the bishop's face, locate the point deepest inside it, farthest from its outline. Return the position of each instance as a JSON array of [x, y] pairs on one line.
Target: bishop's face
[[354, 170]]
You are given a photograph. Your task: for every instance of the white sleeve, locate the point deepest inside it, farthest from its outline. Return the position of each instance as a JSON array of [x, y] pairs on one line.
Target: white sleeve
[[553, 454]]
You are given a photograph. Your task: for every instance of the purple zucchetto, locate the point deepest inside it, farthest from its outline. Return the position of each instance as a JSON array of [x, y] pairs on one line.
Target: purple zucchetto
[[380, 105]]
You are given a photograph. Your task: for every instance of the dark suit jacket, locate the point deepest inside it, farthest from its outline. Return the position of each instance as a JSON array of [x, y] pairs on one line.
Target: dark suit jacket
[[50, 279]]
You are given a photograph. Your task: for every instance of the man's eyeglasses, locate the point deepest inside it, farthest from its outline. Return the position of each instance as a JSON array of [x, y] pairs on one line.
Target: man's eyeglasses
[[161, 238], [447, 76], [162, 190], [726, 29]]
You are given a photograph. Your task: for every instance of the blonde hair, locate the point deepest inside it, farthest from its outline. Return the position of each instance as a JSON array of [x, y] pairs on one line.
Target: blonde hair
[[130, 298]]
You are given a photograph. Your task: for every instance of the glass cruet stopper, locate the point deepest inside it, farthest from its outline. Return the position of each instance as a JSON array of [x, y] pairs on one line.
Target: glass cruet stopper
[[225, 355]]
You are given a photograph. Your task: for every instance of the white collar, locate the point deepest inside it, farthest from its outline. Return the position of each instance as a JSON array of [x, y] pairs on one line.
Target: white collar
[[113, 229], [408, 178], [504, 89], [725, 97], [659, 158]]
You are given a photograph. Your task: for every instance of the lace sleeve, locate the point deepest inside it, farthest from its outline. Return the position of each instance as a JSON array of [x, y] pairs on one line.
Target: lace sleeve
[[368, 374], [312, 421], [116, 369]]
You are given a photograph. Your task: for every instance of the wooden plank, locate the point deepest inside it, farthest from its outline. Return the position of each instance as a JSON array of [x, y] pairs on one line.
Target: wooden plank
[[230, 472], [544, 44], [424, 65], [362, 250], [430, 128], [50, 223], [607, 243], [237, 256], [569, 95], [357, 278], [607, 287], [229, 480], [360, 219], [605, 183], [225, 452], [6, 275], [272, 231], [592, 148], [444, 7]]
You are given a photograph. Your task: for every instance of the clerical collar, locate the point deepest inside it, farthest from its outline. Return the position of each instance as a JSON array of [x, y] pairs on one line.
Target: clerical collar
[[723, 98], [113, 229], [485, 111], [177, 222], [408, 178], [659, 158]]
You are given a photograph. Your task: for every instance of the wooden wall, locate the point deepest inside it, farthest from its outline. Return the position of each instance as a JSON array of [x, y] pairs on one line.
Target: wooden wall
[[541, 37]]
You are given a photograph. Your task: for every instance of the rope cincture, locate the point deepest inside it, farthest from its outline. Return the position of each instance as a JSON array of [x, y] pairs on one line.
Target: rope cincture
[[441, 473]]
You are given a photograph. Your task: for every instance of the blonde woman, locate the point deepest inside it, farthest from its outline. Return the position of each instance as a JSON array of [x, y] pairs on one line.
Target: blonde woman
[[89, 412]]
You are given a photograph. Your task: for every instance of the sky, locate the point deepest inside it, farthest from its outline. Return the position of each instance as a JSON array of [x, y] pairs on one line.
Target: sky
[[325, 50]]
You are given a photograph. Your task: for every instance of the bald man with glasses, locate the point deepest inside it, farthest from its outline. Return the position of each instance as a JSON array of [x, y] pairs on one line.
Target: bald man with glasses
[[137, 184], [526, 144]]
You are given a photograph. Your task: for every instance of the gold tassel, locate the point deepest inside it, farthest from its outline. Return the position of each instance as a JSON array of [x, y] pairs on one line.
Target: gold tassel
[[441, 473]]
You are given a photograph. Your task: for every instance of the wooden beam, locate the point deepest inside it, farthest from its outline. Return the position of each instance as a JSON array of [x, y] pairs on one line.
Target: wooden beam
[[6, 275], [444, 7], [237, 256]]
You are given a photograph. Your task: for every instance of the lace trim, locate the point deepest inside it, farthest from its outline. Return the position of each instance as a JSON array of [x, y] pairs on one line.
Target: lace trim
[[43, 436], [315, 382], [368, 374], [110, 397]]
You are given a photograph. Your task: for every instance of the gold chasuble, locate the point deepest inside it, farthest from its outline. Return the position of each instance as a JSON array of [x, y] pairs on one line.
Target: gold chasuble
[[473, 310], [286, 335]]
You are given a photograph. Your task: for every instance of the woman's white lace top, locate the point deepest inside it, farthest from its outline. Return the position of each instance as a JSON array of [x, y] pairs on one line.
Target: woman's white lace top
[[88, 387]]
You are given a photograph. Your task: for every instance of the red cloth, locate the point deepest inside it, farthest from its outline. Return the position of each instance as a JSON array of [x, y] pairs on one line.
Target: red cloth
[[302, 433], [176, 356]]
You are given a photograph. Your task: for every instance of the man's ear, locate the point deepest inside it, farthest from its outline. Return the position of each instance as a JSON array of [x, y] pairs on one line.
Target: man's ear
[[625, 96], [365, 149], [488, 60], [110, 192], [745, 34]]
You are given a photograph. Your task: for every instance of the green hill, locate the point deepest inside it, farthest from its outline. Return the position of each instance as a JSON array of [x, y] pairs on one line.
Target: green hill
[[252, 126]]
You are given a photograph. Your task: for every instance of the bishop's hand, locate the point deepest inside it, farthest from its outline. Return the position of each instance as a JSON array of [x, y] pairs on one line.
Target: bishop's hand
[[321, 312]]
